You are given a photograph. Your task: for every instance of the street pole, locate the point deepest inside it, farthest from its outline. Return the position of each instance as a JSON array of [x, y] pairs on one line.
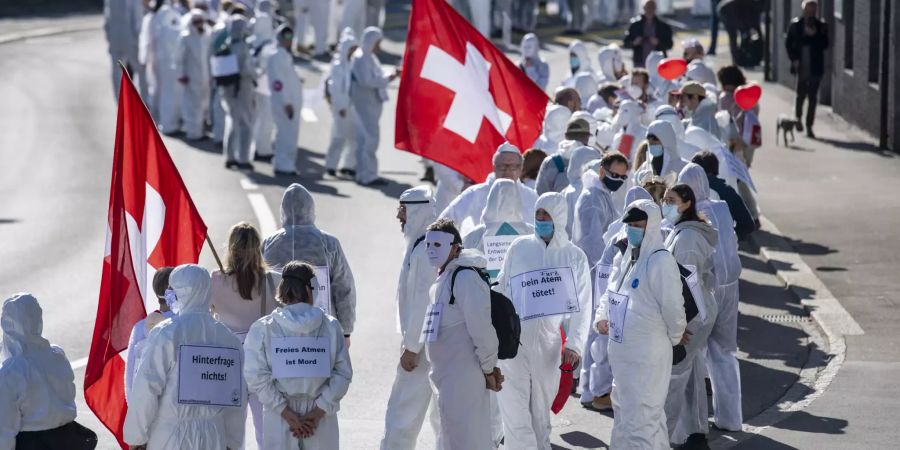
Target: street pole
[[767, 55], [885, 74]]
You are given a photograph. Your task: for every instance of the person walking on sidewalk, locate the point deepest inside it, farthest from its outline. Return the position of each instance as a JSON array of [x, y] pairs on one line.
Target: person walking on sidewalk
[[807, 40]]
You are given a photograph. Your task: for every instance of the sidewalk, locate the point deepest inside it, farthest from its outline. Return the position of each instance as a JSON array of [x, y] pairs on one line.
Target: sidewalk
[[836, 200]]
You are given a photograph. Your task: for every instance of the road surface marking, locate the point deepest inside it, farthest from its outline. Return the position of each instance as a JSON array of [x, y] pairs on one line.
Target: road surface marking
[[264, 216]]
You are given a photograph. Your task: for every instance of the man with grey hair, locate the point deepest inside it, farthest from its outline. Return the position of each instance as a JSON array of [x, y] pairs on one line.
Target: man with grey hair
[[465, 210]]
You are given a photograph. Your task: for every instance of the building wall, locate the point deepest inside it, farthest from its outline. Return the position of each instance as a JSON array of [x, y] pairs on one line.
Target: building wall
[[849, 89]]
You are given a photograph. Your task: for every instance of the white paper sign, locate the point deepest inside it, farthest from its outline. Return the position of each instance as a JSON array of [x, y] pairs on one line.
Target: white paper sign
[[220, 66], [301, 357], [618, 309], [432, 323], [601, 280], [209, 376], [693, 282], [544, 292], [495, 248], [322, 297], [739, 169]]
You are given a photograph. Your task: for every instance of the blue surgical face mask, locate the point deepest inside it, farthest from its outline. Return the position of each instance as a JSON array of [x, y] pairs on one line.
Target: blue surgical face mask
[[635, 236], [655, 150], [574, 63], [670, 212], [172, 301], [543, 228]]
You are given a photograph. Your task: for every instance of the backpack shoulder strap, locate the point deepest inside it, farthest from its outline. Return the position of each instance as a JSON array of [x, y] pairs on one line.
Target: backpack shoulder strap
[[559, 162], [459, 269], [418, 241]]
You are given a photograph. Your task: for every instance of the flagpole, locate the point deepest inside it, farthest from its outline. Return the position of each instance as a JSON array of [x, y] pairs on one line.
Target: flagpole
[[215, 254]]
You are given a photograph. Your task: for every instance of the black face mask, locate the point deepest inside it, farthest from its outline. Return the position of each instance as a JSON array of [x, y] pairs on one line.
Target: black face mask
[[612, 184]]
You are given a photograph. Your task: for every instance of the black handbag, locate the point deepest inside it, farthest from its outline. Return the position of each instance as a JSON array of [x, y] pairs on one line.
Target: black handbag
[[72, 436]]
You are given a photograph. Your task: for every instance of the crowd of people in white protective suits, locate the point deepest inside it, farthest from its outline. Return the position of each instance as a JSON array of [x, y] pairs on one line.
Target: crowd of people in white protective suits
[[606, 253]]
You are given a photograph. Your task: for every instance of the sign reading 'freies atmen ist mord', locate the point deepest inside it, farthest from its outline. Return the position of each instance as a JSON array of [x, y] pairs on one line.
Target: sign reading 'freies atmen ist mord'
[[209, 375], [544, 292], [301, 357]]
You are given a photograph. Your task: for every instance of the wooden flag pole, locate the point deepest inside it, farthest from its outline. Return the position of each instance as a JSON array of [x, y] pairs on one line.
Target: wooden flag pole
[[215, 254]]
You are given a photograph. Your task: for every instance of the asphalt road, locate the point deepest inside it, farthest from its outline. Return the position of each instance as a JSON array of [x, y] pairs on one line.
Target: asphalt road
[[58, 115]]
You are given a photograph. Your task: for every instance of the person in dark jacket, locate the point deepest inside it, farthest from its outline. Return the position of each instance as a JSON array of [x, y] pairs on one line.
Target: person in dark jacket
[[647, 33], [807, 40], [743, 220]]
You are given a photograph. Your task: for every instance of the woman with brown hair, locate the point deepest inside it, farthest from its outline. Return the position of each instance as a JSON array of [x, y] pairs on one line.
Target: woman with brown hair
[[244, 292]]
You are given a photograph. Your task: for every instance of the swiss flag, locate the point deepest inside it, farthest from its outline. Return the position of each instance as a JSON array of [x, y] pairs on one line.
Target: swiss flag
[[152, 223], [461, 97]]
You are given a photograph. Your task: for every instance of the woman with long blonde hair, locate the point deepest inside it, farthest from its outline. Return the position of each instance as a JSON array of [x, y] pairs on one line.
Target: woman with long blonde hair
[[244, 292]]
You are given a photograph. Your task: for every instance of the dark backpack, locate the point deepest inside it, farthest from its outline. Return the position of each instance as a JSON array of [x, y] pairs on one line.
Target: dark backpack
[[690, 304], [503, 316]]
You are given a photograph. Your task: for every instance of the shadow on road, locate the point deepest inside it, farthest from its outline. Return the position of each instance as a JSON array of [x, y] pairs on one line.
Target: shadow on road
[[580, 439]]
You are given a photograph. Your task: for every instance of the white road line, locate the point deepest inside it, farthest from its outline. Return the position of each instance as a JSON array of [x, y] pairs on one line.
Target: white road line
[[248, 184], [267, 226], [309, 115], [79, 363]]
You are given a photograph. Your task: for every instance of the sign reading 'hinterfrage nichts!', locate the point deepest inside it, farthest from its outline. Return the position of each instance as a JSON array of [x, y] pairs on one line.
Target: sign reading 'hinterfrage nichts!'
[[209, 376], [544, 292]]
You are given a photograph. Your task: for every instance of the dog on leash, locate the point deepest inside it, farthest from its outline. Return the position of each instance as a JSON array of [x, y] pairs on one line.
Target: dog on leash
[[787, 125]]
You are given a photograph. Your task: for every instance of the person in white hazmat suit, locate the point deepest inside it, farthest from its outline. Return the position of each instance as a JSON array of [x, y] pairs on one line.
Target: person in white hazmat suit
[[353, 16], [552, 174], [465, 211], [368, 93], [721, 360], [192, 67], [595, 209], [699, 109], [642, 312], [592, 127], [263, 23], [318, 14], [692, 242], [337, 92], [287, 100], [586, 85], [161, 49], [219, 35], [531, 63], [37, 384], [300, 240], [663, 158], [263, 37], [449, 185], [581, 156], [122, 26], [578, 18], [629, 129], [658, 84], [142, 328], [501, 223], [462, 344], [412, 395], [579, 62], [554, 129], [685, 149], [300, 404], [238, 97], [158, 417], [612, 65], [532, 377]]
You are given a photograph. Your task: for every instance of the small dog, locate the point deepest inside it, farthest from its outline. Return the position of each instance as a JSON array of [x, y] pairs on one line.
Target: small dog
[[787, 125]]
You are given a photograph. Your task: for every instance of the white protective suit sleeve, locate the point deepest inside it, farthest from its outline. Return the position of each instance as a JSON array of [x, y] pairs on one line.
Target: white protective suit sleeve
[[661, 278], [594, 212], [137, 334], [419, 280], [470, 292]]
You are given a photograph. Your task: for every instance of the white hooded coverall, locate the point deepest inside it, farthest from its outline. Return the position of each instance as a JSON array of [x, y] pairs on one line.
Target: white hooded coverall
[[300, 394], [579, 49], [155, 418], [162, 47], [628, 126], [554, 129], [286, 91], [580, 158], [531, 63], [353, 16], [672, 162], [722, 363], [532, 377], [263, 42], [368, 92], [122, 26], [465, 350], [654, 321], [412, 394], [550, 178], [501, 217], [300, 240], [316, 13], [337, 85], [239, 107], [37, 385], [465, 211], [192, 62]]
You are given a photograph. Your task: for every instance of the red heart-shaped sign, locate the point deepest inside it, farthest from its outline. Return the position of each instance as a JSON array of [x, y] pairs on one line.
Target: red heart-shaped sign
[[671, 68], [747, 95]]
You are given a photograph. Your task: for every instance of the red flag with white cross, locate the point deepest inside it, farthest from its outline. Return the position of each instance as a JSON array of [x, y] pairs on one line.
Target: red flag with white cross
[[460, 96], [152, 223]]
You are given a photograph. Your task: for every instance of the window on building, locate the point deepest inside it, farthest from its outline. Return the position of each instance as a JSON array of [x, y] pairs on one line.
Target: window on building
[[875, 20], [848, 34]]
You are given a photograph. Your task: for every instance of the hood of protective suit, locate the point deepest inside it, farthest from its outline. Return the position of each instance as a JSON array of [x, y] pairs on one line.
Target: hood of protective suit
[[467, 258], [610, 58], [418, 215], [629, 112], [701, 138], [344, 45], [297, 206], [370, 36], [555, 122], [530, 46], [694, 176], [705, 115], [504, 203], [237, 27], [700, 72], [22, 324], [653, 240], [669, 114], [651, 63], [191, 284], [264, 6], [580, 50], [580, 157], [709, 234], [666, 134], [299, 318], [586, 86], [634, 194], [555, 205]]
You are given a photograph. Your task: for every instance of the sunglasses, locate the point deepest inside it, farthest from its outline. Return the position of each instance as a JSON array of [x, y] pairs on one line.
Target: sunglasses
[[617, 176]]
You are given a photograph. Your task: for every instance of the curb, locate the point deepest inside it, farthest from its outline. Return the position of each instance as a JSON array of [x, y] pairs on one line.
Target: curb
[[50, 31], [830, 323]]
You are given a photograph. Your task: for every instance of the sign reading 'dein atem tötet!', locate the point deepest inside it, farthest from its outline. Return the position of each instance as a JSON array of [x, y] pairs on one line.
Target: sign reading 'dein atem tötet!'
[[544, 292], [209, 375]]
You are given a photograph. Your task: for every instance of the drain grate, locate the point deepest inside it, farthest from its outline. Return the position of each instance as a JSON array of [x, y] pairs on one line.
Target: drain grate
[[785, 318]]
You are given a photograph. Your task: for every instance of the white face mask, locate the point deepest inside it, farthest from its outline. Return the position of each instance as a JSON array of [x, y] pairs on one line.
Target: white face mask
[[438, 245], [635, 91]]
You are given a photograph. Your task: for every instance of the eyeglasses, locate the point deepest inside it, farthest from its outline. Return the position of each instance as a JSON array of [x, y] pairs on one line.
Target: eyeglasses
[[616, 176]]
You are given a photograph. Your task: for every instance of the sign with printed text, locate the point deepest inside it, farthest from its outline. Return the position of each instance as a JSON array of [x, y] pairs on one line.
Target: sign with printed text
[[301, 357], [601, 280], [545, 292], [618, 309], [693, 282], [432, 323], [739, 169], [209, 376], [495, 248], [322, 297]]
